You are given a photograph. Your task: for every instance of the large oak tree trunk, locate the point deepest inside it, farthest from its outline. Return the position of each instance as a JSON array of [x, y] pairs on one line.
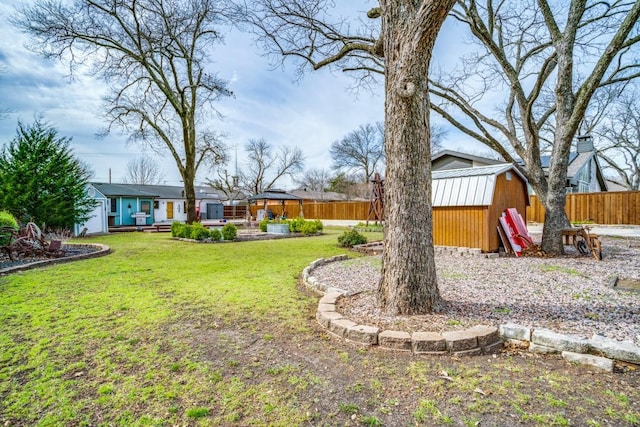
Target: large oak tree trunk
[[555, 198], [409, 283]]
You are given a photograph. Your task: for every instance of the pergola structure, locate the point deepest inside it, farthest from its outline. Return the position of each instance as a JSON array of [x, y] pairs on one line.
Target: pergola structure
[[278, 195]]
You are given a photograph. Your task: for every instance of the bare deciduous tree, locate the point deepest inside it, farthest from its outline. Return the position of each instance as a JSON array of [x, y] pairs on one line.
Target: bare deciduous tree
[[268, 165], [226, 183], [314, 179], [143, 171], [402, 42], [361, 151], [154, 57], [528, 65], [618, 142]]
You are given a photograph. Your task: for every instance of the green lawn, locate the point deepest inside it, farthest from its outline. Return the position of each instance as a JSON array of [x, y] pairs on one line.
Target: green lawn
[[89, 334], [163, 332]]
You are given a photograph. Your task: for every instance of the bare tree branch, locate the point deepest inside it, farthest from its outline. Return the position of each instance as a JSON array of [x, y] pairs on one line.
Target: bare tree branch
[[143, 171], [267, 165], [361, 151]]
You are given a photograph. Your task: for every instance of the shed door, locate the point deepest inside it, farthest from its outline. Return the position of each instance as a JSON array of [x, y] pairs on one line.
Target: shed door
[[95, 224], [169, 210]]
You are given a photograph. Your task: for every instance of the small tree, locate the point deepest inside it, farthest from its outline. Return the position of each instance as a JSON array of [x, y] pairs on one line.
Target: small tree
[[41, 180], [362, 150], [349, 185]]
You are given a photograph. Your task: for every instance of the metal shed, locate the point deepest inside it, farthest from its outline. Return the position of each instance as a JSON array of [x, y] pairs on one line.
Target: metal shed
[[467, 204]]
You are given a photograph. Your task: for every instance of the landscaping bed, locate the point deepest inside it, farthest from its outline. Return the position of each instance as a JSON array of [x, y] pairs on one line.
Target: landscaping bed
[[71, 252], [570, 294]]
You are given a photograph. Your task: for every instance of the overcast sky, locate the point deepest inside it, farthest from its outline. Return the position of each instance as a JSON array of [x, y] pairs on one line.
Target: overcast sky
[[311, 113]]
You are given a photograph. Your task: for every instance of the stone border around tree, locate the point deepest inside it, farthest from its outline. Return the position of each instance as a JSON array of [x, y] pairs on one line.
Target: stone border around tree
[[599, 351], [102, 251]]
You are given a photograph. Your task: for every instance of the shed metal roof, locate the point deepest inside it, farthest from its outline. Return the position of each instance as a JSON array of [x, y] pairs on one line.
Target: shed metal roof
[[468, 186]]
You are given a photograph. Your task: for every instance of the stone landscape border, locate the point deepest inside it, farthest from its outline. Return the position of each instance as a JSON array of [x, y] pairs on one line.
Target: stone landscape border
[[102, 251], [598, 351]]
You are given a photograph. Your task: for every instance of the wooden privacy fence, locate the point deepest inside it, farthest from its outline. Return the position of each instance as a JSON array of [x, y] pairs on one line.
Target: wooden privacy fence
[[619, 207], [356, 211], [234, 212]]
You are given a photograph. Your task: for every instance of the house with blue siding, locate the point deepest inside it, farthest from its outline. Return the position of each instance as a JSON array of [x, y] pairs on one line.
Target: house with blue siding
[[121, 205], [127, 204]]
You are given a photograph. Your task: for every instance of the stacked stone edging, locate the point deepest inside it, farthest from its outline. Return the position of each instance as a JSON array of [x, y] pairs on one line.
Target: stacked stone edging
[[473, 341], [598, 351]]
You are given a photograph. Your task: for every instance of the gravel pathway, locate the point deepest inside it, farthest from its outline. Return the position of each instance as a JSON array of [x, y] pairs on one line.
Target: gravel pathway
[[569, 294]]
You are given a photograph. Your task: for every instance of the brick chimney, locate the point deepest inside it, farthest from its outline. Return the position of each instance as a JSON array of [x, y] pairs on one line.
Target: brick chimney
[[585, 143]]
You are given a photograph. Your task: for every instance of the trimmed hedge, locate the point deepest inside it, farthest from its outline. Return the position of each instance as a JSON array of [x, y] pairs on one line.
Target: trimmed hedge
[[216, 235]]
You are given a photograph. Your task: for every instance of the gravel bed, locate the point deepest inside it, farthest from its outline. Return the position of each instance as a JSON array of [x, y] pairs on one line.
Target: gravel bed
[[568, 294]]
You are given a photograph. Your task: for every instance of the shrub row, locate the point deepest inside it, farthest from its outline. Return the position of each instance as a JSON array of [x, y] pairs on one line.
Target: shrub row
[[197, 231], [296, 225]]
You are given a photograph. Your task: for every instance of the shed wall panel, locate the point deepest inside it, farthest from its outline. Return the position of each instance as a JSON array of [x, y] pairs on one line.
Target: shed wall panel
[[459, 226]]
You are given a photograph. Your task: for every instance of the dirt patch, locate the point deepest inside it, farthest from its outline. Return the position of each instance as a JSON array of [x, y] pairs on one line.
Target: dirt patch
[[339, 384]]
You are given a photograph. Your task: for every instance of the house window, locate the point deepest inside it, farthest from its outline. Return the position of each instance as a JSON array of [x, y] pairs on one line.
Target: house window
[[508, 176], [156, 204], [113, 205], [145, 206]]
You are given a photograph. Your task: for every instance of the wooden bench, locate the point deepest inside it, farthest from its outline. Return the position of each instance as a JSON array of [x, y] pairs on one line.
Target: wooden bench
[[583, 241]]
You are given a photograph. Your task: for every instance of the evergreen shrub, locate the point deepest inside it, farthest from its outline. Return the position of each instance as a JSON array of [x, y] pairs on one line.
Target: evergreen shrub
[[7, 220], [229, 231], [351, 238]]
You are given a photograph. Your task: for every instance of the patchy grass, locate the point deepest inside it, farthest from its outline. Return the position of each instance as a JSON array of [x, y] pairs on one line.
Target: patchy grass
[[560, 269], [163, 332]]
